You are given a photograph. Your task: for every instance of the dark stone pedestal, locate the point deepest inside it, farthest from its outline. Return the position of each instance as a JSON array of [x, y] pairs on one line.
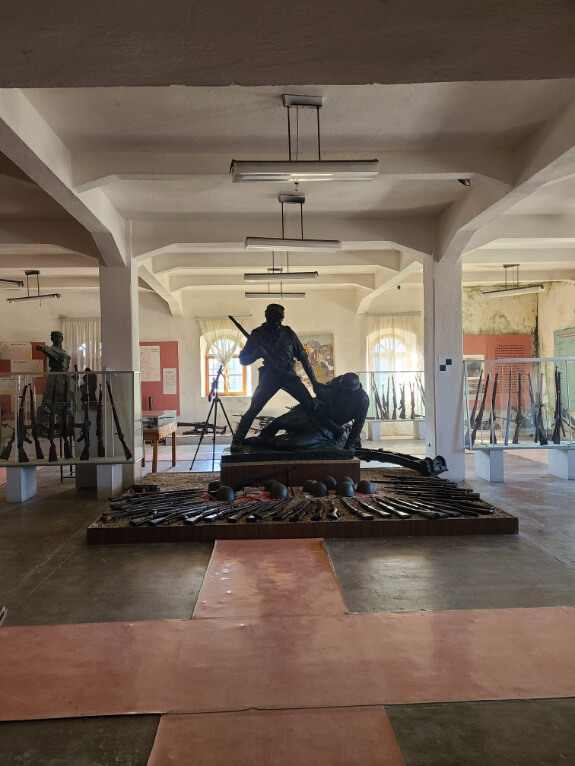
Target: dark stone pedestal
[[240, 467]]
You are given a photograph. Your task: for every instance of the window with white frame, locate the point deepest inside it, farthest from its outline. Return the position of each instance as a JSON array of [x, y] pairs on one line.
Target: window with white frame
[[233, 381]]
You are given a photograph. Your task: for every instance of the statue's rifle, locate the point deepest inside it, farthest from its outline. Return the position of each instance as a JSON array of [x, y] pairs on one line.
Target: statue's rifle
[[508, 419], [39, 453], [22, 432], [402, 401], [492, 437], [519, 417], [53, 453], [119, 432], [394, 413], [479, 419], [99, 433], [68, 454]]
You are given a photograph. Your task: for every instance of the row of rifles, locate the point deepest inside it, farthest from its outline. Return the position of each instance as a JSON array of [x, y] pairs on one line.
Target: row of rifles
[[386, 405], [515, 414], [60, 426]]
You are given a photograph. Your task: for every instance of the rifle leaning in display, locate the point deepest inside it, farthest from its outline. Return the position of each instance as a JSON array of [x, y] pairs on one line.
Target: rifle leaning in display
[[468, 442], [52, 453], [402, 401], [66, 437], [479, 419], [538, 435], [377, 401], [5, 455], [412, 395], [119, 432], [558, 428], [99, 434], [508, 418], [85, 433], [492, 437], [519, 417], [22, 435], [39, 453], [394, 413]]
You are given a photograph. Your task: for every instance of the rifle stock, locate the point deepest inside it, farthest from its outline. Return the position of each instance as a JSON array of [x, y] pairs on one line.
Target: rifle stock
[[119, 432], [402, 401]]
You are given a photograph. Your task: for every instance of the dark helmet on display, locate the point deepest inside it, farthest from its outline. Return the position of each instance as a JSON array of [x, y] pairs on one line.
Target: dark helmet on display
[[319, 489], [345, 489], [278, 491], [329, 482], [269, 484], [308, 484], [365, 487], [214, 485], [348, 479], [226, 494]]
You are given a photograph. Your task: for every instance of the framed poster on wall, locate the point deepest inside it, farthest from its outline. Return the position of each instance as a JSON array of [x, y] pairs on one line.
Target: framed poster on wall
[[320, 353], [160, 375]]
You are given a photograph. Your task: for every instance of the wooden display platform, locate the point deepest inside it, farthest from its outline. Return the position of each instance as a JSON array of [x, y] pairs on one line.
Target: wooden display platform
[[233, 473], [502, 524]]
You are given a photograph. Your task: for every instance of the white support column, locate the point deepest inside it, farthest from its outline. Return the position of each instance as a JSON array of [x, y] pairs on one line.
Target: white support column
[[561, 463], [109, 480], [121, 338], [444, 345], [20, 483]]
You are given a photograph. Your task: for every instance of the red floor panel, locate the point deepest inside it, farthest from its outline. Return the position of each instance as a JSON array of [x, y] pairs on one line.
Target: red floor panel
[[259, 578], [233, 664], [338, 737]]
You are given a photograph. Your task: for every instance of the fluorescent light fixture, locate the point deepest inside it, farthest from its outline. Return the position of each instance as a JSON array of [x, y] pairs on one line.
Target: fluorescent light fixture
[[299, 171], [513, 291], [18, 282], [278, 243], [277, 296], [34, 297], [280, 276]]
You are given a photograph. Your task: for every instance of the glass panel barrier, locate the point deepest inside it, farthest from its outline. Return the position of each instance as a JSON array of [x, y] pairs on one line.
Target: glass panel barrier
[[395, 396], [69, 417], [519, 403]]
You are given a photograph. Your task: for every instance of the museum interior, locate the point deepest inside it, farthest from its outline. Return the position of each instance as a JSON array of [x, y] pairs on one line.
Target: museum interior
[[401, 179]]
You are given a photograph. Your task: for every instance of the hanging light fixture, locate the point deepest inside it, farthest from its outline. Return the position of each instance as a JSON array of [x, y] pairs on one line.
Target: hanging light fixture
[[36, 297], [512, 288], [18, 282], [307, 170], [278, 274], [281, 243]]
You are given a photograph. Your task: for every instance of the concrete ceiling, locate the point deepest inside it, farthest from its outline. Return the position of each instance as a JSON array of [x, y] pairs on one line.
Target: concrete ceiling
[[96, 168]]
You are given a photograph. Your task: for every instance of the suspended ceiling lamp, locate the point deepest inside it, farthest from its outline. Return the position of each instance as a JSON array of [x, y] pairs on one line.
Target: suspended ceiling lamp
[[36, 297], [281, 243], [513, 287], [18, 282], [307, 170]]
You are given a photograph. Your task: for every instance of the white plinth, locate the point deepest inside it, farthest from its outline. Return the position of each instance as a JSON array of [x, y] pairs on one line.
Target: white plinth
[[419, 429], [374, 430], [561, 463], [489, 465], [109, 481], [21, 484]]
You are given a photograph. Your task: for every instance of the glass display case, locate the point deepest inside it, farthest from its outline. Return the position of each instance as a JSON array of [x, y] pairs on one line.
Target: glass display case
[[70, 417], [519, 403], [157, 419], [394, 396]]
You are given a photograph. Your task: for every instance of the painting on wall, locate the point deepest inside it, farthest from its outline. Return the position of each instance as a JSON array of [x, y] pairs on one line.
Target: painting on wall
[[320, 352]]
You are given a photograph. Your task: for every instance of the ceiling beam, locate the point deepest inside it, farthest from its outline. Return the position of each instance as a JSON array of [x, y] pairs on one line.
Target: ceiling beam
[[410, 268]]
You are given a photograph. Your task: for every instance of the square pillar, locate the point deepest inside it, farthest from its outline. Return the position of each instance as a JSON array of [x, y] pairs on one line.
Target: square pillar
[[21, 483], [561, 463], [109, 480], [489, 464]]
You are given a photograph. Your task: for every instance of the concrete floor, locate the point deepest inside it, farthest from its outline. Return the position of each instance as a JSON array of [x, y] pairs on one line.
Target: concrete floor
[[49, 576]]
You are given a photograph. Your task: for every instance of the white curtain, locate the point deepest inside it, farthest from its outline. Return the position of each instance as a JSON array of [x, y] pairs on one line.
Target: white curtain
[[406, 328], [222, 338], [83, 341]]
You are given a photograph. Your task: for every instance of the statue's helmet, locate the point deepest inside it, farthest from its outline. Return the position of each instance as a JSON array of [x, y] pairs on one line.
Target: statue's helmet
[[350, 381], [275, 312]]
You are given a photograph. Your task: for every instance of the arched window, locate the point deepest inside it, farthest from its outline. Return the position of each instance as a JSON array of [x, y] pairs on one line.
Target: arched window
[[234, 379], [389, 354]]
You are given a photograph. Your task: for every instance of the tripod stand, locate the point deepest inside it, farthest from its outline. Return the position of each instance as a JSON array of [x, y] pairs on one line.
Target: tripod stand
[[214, 398]]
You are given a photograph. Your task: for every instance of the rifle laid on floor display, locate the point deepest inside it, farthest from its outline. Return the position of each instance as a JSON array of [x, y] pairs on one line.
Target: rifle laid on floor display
[[492, 437], [539, 434], [425, 466], [479, 419], [37, 446], [119, 432], [99, 433], [22, 432], [519, 417], [508, 418], [558, 428]]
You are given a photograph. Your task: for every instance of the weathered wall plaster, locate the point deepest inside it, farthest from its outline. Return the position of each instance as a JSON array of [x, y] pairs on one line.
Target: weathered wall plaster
[[498, 316], [556, 312]]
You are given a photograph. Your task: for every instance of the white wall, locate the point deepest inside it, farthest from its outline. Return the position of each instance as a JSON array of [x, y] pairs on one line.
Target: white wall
[[556, 312]]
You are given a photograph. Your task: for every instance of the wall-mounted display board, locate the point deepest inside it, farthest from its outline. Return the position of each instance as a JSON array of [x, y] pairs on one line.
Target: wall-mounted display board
[[159, 374], [19, 357], [476, 348], [564, 345]]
